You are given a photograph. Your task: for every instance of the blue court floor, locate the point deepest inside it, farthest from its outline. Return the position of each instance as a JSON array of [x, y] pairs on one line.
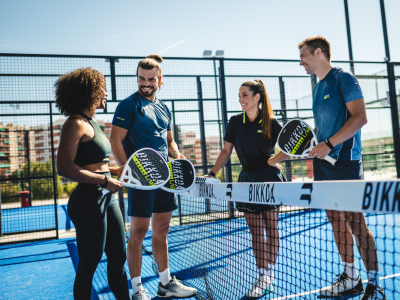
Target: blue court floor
[[210, 256]]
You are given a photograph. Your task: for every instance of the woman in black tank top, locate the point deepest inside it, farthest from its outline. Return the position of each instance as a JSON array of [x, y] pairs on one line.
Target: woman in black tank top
[[83, 156]]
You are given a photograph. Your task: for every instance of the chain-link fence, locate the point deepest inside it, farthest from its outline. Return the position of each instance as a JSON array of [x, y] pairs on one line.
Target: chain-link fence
[[202, 95]]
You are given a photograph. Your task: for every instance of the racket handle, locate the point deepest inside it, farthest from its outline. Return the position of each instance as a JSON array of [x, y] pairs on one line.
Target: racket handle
[[330, 159], [105, 191]]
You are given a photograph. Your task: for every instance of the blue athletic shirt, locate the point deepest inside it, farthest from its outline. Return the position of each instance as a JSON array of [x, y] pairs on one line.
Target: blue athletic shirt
[[147, 123], [330, 96]]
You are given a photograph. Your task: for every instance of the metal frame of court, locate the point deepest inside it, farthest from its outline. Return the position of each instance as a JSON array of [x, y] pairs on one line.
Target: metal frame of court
[[218, 76]]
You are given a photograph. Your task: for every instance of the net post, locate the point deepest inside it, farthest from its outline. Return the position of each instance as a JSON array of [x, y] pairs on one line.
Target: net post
[[53, 164], [288, 163]]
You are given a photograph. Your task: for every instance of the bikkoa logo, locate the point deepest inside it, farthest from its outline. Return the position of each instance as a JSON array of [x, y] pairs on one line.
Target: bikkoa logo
[[176, 179], [147, 168], [296, 138]]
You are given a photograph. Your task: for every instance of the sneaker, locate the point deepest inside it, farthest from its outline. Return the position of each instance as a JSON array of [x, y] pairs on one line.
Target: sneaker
[[343, 285], [141, 295], [263, 285], [175, 289], [373, 293]]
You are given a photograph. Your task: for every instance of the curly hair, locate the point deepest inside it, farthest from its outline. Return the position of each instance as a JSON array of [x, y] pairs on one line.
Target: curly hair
[[78, 90]]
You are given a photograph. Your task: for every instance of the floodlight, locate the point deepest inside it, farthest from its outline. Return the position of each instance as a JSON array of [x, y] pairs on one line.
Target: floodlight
[[219, 53], [207, 53]]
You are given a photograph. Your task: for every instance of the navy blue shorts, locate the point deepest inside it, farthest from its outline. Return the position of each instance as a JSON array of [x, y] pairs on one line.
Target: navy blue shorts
[[342, 170], [144, 203], [266, 175]]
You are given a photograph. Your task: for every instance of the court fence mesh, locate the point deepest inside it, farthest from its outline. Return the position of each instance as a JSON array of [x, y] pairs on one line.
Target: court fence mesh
[[202, 95]]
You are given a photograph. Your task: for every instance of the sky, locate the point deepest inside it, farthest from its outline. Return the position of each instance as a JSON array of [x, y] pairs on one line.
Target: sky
[[251, 29]]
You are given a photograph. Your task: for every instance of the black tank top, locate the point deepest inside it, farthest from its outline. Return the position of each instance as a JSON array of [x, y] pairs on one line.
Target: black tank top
[[95, 150]]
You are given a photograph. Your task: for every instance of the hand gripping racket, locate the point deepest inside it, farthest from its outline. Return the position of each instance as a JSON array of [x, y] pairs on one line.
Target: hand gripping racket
[[183, 177], [146, 169], [297, 138]]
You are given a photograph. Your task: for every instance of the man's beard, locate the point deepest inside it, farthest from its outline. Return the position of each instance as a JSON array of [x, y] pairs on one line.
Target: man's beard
[[149, 93]]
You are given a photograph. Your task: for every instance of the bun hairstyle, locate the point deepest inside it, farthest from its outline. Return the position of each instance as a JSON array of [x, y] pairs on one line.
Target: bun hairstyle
[[267, 114], [149, 63]]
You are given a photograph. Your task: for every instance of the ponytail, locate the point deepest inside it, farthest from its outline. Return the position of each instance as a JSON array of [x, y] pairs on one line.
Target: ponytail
[[267, 114]]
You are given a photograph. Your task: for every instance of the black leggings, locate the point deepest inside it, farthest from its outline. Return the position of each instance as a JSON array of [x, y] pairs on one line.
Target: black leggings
[[99, 227]]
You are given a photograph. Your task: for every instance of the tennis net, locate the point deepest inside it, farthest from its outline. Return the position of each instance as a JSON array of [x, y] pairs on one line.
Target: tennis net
[[214, 250]]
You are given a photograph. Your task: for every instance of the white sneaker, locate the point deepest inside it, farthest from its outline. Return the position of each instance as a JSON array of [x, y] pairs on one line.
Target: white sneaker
[[343, 285], [141, 295], [175, 289], [263, 285], [373, 293]]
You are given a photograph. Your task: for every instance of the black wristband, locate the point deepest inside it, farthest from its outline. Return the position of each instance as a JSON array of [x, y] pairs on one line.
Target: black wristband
[[211, 173], [105, 184], [329, 144]]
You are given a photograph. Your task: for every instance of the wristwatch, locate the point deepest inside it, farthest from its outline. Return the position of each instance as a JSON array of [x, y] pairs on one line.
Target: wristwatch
[[211, 173]]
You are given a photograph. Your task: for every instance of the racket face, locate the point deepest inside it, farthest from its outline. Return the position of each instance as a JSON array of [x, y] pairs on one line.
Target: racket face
[[145, 169], [296, 138], [182, 176]]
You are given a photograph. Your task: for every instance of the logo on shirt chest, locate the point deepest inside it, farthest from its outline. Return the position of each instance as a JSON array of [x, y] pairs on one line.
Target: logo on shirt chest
[[327, 96]]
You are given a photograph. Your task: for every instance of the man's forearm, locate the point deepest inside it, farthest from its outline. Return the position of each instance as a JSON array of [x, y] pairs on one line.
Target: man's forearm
[[172, 148], [118, 152], [350, 128]]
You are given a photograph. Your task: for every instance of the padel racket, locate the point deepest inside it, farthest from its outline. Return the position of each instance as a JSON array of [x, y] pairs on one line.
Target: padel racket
[[146, 169], [182, 176], [297, 138]]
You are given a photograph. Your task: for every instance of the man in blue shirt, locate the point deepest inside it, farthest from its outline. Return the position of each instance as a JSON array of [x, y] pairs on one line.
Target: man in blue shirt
[[339, 111], [141, 121]]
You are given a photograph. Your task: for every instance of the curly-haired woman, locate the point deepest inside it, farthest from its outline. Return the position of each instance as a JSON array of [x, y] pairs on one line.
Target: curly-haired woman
[[83, 156]]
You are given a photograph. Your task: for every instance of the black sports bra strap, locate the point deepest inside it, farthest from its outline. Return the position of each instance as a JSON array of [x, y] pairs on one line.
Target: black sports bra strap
[[85, 116]]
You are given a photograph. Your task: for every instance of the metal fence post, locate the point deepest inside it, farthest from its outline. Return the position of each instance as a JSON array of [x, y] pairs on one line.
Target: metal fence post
[[29, 166], [224, 112], [113, 81], [392, 91], [288, 163], [394, 110], [53, 163], [203, 143], [224, 108]]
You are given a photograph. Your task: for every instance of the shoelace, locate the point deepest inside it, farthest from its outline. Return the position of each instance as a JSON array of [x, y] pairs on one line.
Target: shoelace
[[340, 278], [177, 282], [144, 293]]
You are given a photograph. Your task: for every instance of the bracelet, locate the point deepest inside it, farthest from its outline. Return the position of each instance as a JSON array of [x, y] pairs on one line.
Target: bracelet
[[211, 173], [329, 144], [105, 184]]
